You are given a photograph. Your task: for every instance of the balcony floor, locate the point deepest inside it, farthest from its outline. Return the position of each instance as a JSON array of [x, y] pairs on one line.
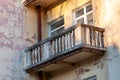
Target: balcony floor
[[66, 58]]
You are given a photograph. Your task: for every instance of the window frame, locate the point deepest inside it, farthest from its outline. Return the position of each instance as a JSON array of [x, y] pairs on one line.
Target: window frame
[[92, 77], [84, 16], [53, 22]]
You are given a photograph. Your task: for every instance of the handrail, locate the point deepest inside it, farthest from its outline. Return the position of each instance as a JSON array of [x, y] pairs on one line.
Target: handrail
[[62, 33]]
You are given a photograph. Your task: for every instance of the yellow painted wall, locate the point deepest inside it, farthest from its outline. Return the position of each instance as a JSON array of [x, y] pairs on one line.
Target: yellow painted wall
[[65, 9], [31, 24], [84, 69]]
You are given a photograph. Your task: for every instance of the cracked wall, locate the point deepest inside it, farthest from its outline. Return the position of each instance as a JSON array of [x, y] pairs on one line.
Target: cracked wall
[[12, 41], [110, 20]]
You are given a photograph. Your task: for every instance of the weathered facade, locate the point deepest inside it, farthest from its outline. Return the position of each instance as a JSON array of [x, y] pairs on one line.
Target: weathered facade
[[25, 23]]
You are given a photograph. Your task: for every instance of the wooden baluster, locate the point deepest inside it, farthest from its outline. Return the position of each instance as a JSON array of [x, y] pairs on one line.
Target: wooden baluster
[[66, 39], [94, 37], [60, 43], [73, 37], [42, 52], [36, 55], [63, 42], [48, 48], [70, 39], [51, 48], [102, 39], [39, 54], [98, 39], [33, 56], [90, 29], [55, 47], [83, 29], [87, 36]]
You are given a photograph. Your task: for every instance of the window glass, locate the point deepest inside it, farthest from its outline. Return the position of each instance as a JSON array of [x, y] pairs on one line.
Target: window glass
[[80, 20], [57, 27], [57, 31], [79, 13], [91, 78], [57, 24], [90, 18], [89, 8], [84, 15]]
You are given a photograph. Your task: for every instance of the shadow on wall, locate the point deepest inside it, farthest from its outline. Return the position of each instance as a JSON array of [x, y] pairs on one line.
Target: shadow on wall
[[113, 52]]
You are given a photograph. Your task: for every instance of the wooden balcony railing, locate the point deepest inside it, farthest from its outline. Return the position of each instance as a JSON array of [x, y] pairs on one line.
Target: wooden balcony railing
[[69, 40]]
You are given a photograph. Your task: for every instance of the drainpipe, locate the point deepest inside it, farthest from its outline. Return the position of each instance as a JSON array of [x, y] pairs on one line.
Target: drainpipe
[[40, 75], [38, 7]]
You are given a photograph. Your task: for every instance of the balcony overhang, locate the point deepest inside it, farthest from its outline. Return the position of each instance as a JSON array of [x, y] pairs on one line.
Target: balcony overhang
[[43, 3]]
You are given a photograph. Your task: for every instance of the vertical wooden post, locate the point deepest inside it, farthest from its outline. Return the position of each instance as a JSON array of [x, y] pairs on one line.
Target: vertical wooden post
[[39, 22]]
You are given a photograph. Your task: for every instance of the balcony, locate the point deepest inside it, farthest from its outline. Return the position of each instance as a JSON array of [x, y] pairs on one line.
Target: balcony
[[74, 44]]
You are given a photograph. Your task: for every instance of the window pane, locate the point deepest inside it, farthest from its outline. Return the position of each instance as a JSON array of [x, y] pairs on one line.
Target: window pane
[[80, 20], [91, 78], [57, 31], [57, 24], [89, 8], [79, 13], [90, 18]]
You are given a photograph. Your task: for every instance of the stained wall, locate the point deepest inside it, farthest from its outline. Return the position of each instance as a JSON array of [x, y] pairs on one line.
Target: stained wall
[[12, 40]]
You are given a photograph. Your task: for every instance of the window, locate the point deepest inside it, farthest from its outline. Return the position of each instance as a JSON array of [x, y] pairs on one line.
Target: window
[[84, 15], [91, 78], [57, 26]]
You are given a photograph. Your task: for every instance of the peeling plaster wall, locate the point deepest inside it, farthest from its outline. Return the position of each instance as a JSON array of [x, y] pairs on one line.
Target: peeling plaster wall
[[108, 17], [110, 20], [12, 41]]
